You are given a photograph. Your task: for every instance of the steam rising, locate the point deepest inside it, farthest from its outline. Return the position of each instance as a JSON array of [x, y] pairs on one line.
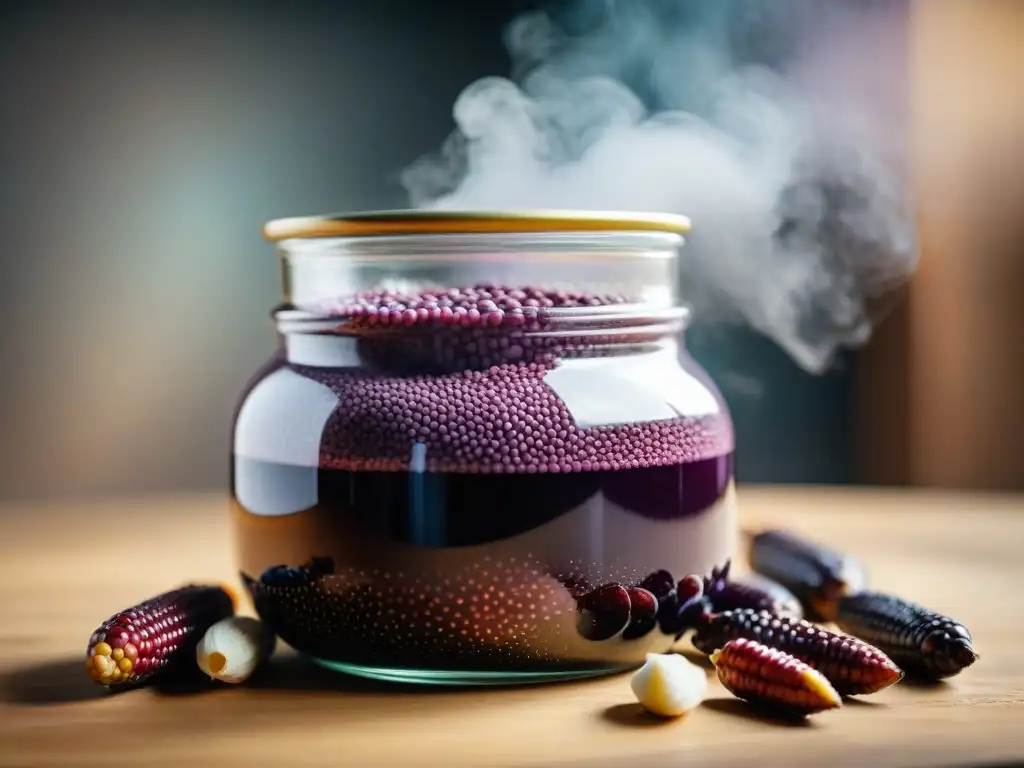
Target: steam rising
[[799, 210]]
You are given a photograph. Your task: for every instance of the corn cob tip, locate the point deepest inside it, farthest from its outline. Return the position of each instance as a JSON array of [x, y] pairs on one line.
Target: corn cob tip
[[966, 656], [895, 675], [232, 593], [960, 653], [960, 649], [878, 672], [714, 657], [112, 663]]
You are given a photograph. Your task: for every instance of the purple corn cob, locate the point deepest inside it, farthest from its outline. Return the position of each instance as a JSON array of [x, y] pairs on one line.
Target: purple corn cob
[[723, 593], [136, 644], [818, 576], [924, 643]]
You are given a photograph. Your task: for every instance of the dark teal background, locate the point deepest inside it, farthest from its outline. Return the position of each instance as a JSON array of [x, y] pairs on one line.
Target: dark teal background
[[791, 427]]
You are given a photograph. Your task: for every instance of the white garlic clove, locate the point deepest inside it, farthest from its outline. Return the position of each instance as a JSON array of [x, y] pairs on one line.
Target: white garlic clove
[[233, 648], [669, 684]]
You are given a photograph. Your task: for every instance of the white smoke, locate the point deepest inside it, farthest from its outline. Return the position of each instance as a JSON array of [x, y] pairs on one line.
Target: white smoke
[[795, 189]]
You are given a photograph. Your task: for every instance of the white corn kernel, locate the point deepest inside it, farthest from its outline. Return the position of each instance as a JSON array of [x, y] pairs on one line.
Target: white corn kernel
[[669, 685], [233, 648]]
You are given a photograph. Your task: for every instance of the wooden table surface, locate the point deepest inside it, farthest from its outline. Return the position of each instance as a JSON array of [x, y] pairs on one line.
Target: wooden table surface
[[66, 568]]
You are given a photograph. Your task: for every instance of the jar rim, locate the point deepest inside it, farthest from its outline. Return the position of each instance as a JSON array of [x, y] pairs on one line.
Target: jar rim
[[422, 222]]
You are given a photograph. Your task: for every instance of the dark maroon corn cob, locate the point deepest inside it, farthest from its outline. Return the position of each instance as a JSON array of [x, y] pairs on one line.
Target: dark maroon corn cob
[[818, 576], [134, 645], [924, 643], [724, 593], [851, 665]]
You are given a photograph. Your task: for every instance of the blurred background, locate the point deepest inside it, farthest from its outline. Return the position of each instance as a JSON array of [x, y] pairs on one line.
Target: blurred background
[[145, 143]]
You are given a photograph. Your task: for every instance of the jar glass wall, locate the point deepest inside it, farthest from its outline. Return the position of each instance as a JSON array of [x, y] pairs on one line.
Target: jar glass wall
[[481, 453]]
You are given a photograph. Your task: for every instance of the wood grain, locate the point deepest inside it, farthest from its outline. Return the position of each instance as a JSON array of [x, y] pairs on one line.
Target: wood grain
[[68, 567]]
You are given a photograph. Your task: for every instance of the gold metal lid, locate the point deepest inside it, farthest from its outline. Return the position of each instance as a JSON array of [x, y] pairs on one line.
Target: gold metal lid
[[416, 222]]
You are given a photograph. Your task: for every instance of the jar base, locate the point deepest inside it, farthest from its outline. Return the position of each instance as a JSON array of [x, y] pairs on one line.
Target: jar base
[[474, 678]]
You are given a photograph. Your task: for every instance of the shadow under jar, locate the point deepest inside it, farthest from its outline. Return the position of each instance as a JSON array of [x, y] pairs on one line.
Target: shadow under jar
[[481, 454]]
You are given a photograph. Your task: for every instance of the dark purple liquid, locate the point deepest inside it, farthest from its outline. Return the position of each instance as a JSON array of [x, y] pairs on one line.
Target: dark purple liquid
[[396, 552], [449, 510]]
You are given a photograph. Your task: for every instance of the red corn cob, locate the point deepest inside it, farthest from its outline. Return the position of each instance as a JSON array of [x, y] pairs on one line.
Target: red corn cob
[[134, 645], [767, 676]]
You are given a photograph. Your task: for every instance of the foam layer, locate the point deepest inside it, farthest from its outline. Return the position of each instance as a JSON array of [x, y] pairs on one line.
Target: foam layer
[[504, 419], [458, 385]]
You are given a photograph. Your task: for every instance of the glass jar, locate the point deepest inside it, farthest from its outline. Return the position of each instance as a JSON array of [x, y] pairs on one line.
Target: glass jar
[[481, 453]]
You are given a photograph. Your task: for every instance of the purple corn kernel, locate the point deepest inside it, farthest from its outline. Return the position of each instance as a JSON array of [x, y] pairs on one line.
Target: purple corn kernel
[[725, 593], [643, 613], [603, 613]]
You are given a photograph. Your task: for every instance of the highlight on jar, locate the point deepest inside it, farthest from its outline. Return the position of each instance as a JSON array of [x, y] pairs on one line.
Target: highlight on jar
[[481, 453]]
